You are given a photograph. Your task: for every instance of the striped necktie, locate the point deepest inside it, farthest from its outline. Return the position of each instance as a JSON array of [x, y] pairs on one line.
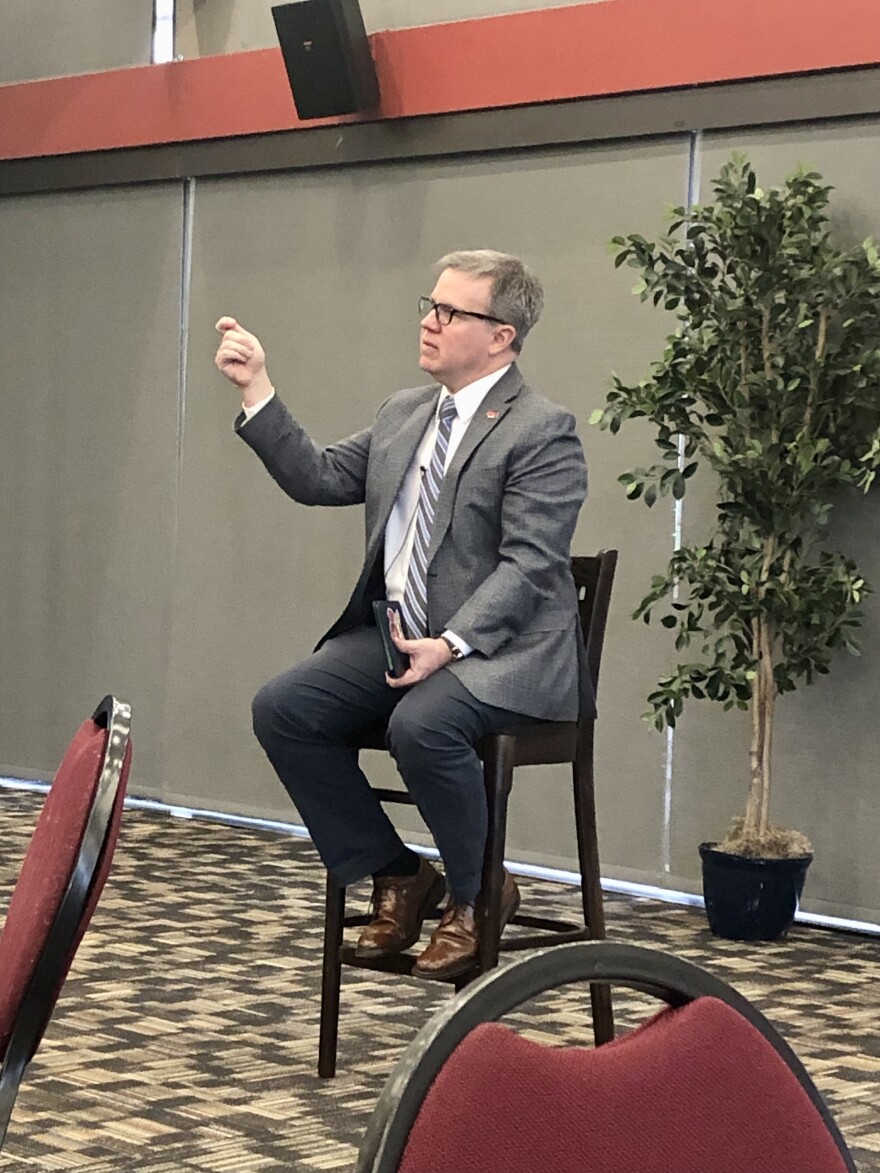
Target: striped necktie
[[415, 595]]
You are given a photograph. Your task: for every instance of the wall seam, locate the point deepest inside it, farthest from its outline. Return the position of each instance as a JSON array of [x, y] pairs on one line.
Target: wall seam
[[185, 294], [189, 192], [694, 169]]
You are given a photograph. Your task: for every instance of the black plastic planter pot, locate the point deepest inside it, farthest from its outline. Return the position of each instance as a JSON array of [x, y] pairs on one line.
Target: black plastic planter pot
[[751, 899]]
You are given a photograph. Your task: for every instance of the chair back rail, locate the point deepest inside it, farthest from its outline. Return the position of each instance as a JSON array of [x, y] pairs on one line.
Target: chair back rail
[[593, 578]]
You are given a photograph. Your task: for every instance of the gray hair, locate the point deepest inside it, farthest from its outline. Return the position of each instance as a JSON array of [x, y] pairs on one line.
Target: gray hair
[[517, 296]]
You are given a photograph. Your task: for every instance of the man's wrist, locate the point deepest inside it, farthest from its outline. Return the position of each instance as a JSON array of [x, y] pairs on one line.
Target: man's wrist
[[455, 652], [258, 391], [251, 409]]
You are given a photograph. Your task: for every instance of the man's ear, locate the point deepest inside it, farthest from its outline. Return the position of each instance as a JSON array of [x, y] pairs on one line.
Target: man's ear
[[502, 338]]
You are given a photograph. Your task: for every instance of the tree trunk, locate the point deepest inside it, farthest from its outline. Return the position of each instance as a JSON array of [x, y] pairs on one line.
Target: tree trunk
[[757, 814], [768, 706]]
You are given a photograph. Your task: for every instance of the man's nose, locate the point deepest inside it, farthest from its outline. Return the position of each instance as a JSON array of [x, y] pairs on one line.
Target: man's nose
[[430, 321]]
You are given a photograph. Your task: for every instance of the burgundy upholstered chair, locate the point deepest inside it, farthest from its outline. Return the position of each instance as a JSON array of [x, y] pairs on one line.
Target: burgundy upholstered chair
[[706, 1084], [64, 870], [543, 743]]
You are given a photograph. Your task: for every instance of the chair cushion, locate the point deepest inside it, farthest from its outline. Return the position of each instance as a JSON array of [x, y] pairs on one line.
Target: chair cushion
[[48, 866], [691, 1090]]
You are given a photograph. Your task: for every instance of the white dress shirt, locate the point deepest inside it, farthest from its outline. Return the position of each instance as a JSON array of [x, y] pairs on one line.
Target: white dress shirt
[[400, 529]]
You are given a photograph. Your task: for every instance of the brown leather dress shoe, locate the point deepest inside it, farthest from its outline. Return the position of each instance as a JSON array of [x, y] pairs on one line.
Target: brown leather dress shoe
[[399, 907], [453, 947]]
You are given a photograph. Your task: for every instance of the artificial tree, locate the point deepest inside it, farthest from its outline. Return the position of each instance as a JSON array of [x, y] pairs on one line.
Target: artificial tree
[[771, 379]]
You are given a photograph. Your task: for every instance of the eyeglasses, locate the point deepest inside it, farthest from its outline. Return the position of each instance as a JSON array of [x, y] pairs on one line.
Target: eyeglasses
[[445, 313]]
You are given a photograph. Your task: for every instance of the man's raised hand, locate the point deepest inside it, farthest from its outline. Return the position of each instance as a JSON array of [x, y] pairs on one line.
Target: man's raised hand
[[241, 358]]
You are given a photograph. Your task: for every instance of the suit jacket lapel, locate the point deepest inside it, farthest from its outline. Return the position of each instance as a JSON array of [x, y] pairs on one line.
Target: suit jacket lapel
[[397, 458], [491, 410]]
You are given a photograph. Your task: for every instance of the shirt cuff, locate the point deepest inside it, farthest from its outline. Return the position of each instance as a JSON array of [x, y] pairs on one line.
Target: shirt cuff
[[463, 647], [250, 412]]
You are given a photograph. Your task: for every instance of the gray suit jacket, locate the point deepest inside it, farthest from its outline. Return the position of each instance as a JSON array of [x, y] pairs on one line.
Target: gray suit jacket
[[499, 573]]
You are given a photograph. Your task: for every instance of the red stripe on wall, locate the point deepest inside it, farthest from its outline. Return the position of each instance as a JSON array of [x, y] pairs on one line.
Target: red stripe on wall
[[584, 50]]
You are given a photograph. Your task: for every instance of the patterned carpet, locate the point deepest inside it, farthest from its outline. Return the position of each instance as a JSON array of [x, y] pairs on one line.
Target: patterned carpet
[[185, 1038]]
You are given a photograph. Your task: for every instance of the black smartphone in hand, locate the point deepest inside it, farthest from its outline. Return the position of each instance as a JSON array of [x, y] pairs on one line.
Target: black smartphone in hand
[[396, 661]]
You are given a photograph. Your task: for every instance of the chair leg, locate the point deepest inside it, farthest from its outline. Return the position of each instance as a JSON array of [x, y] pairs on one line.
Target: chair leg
[[603, 1013], [591, 884], [498, 778], [587, 837], [331, 978]]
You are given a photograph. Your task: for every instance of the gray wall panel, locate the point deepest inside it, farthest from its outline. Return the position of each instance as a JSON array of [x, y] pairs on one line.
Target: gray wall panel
[[230, 26], [326, 270], [828, 740], [49, 38], [89, 300]]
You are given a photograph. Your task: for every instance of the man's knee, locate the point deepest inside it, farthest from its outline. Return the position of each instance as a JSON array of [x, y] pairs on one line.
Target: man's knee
[[414, 730], [278, 707], [265, 710], [404, 733]]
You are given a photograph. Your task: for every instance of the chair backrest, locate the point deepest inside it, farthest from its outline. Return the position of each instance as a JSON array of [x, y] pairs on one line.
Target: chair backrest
[[593, 579], [61, 878], [706, 1084]]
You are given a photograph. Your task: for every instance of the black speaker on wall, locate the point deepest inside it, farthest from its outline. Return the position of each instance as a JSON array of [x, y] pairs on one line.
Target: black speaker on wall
[[327, 57]]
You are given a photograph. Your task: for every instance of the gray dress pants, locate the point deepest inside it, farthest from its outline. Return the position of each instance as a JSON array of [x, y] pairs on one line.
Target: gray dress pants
[[304, 719]]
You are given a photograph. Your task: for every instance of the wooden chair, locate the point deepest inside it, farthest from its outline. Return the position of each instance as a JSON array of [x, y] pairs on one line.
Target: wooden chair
[[61, 878], [545, 743], [705, 1084]]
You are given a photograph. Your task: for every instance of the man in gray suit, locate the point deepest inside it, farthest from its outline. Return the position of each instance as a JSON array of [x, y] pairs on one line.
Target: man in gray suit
[[472, 487]]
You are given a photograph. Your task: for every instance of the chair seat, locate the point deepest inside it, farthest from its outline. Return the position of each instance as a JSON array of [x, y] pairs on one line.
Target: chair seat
[[537, 744], [547, 743]]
